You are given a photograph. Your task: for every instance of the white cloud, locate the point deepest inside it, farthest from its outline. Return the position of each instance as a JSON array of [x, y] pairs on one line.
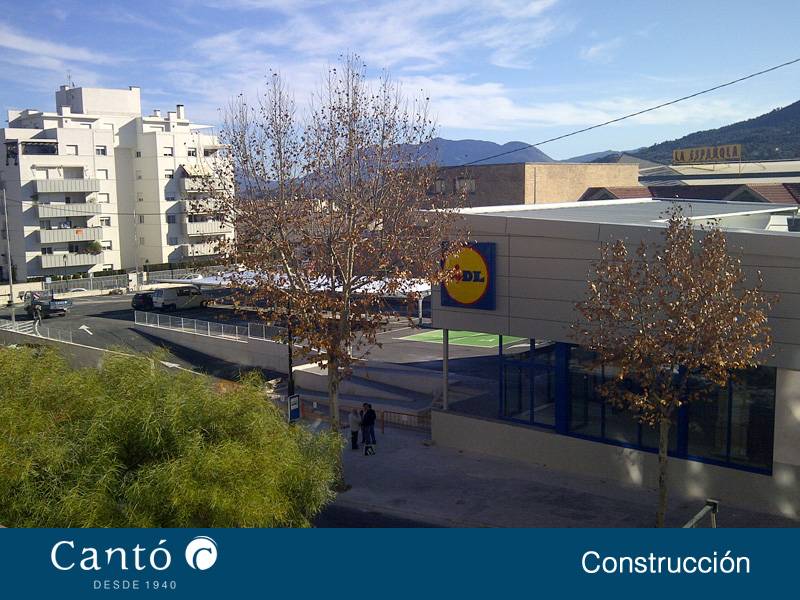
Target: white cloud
[[602, 51], [39, 46]]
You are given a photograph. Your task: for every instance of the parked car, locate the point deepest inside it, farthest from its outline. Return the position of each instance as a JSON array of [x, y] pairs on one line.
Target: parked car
[[142, 301], [178, 298], [77, 290], [40, 305]]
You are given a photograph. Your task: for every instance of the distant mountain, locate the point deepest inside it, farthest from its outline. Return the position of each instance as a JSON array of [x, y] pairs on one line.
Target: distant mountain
[[774, 135], [458, 152], [591, 157]]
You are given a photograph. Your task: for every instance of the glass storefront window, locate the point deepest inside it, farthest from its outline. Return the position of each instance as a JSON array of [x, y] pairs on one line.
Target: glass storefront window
[[730, 425], [516, 391], [586, 404], [708, 421], [752, 417]]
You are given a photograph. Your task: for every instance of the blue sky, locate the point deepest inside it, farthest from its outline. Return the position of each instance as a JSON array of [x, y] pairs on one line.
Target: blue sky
[[499, 70]]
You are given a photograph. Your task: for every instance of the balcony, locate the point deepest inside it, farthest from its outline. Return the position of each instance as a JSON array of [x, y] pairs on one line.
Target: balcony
[[208, 228], [74, 234], [66, 186], [194, 250], [75, 209], [73, 259]]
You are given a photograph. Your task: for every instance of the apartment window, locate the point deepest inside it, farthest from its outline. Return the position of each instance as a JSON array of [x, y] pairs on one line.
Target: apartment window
[[71, 150], [67, 199], [44, 224], [102, 173], [106, 245], [170, 198], [172, 241], [169, 151], [104, 198], [101, 150], [169, 173], [141, 241], [209, 152], [171, 219], [47, 249], [191, 152], [105, 221], [73, 173], [138, 154], [465, 185], [138, 174], [440, 186], [141, 219], [73, 248], [139, 197], [108, 267]]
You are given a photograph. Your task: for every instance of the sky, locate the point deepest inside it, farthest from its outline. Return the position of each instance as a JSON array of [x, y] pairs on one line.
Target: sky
[[499, 70]]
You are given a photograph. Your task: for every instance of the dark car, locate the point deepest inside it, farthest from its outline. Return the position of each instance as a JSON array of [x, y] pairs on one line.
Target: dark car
[[142, 302]]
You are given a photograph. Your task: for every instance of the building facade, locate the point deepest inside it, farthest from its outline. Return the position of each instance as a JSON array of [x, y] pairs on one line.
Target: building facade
[[530, 183], [741, 445], [96, 186]]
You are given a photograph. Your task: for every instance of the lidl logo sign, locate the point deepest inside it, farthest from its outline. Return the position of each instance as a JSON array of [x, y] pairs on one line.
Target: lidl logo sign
[[472, 281]]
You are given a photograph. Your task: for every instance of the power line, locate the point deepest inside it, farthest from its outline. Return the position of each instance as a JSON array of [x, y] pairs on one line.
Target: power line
[[634, 114]]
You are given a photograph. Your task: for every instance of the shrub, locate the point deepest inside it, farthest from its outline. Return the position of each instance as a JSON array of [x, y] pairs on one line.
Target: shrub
[[135, 445]]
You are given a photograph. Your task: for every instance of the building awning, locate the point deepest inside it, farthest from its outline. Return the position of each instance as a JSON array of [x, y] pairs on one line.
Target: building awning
[[199, 170]]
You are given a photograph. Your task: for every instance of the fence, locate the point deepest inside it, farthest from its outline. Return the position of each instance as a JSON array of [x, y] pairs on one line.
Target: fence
[[109, 282], [208, 328], [34, 329], [711, 509], [154, 276], [320, 410]]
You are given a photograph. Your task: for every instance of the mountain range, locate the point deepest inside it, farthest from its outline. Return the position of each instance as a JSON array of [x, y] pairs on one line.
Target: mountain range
[[774, 135]]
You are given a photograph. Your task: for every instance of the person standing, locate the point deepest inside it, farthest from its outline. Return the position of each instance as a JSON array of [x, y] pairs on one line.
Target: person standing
[[354, 420], [368, 425]]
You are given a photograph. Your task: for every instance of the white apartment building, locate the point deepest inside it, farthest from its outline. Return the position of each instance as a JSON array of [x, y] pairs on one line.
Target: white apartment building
[[97, 186]]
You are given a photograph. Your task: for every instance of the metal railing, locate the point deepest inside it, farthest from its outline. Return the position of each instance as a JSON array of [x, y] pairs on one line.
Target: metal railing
[[207, 328], [259, 331], [108, 282], [154, 276], [34, 329], [421, 422], [711, 509]]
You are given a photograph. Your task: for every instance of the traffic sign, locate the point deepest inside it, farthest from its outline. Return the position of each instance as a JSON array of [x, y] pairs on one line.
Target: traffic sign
[[294, 408]]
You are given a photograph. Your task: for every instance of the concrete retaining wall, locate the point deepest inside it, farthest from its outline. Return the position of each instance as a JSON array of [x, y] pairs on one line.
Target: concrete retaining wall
[[262, 354], [776, 494]]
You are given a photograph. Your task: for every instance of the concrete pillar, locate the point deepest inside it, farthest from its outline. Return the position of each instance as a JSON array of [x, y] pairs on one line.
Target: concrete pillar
[[445, 366]]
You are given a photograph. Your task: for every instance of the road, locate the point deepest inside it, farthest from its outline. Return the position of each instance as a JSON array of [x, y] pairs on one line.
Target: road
[[107, 322]]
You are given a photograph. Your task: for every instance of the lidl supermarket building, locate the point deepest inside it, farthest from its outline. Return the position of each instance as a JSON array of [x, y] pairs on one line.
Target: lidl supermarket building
[[527, 269]]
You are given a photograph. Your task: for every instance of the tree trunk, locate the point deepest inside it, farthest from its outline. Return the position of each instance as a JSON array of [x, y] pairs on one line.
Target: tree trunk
[[663, 445], [333, 406]]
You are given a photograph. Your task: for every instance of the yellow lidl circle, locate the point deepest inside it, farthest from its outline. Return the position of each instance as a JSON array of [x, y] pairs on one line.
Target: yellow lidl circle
[[471, 276]]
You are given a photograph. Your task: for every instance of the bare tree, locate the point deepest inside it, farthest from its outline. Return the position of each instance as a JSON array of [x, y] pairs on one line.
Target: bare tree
[[671, 314], [329, 212]]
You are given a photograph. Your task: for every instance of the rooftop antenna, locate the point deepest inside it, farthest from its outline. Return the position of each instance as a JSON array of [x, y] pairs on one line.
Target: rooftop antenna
[[69, 78]]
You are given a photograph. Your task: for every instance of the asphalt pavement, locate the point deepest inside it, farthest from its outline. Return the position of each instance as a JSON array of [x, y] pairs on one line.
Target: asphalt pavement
[[107, 322]]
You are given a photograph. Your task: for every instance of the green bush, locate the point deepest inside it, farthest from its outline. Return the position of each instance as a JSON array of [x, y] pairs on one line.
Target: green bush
[[136, 445]]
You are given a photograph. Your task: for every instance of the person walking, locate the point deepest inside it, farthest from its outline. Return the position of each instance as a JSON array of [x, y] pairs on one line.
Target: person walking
[[354, 420]]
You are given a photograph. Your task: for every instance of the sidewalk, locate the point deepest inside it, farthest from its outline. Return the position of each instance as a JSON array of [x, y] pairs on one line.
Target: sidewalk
[[409, 478]]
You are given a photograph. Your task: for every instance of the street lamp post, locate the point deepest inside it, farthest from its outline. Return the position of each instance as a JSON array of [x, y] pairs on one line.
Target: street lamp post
[[290, 382], [8, 259], [64, 282]]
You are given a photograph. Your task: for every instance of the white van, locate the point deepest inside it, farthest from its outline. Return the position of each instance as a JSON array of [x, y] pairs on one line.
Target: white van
[[178, 298]]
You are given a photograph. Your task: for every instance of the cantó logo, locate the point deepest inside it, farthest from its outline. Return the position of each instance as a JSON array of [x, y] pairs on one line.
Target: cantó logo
[[201, 553], [470, 279]]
